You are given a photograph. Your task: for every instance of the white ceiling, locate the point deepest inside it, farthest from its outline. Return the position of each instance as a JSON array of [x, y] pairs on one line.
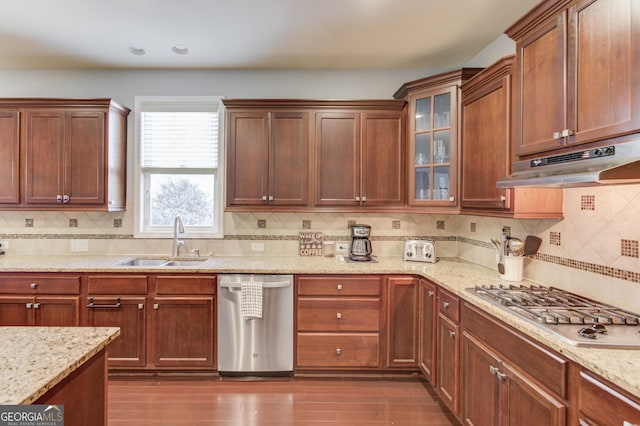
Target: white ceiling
[[251, 34]]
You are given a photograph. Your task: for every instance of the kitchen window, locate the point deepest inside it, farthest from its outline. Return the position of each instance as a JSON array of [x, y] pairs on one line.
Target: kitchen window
[[178, 167]]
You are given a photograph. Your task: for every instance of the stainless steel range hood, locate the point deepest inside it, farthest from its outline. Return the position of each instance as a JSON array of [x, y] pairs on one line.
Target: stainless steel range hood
[[611, 164]]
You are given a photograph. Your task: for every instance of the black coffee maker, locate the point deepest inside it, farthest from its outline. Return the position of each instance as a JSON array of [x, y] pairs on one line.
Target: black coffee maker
[[360, 246]]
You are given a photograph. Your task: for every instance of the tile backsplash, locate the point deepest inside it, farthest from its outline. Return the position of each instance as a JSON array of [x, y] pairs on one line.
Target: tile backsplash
[[595, 246]]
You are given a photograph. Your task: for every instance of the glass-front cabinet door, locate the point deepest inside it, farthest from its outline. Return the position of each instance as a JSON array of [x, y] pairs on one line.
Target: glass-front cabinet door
[[433, 147]]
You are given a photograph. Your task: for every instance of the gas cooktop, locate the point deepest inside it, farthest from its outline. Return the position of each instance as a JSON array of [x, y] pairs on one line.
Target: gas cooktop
[[577, 320]]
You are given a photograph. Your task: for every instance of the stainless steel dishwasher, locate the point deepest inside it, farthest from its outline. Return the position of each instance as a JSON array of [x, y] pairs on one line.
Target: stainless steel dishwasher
[[258, 346]]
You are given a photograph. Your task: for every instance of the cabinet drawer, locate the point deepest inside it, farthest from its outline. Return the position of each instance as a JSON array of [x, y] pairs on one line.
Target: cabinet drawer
[[40, 284], [316, 314], [188, 284], [604, 405], [338, 350], [117, 284], [339, 285], [449, 306]]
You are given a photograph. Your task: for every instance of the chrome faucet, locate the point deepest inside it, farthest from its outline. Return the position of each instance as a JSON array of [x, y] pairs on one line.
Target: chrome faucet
[[178, 228]]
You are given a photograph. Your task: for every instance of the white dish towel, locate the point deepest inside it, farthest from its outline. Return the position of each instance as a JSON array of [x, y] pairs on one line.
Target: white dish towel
[[251, 300]]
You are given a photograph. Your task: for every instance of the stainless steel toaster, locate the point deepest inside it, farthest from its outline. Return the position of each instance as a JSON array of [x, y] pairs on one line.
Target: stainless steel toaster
[[420, 251]]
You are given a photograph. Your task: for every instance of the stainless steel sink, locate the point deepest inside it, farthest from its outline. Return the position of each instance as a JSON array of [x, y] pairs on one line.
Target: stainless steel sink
[[139, 261]]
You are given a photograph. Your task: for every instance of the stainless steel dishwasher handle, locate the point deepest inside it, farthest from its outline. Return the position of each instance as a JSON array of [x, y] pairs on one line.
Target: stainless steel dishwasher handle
[[271, 284]]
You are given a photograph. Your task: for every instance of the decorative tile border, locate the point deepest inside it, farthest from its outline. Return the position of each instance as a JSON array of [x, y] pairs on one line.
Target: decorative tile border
[[607, 271]]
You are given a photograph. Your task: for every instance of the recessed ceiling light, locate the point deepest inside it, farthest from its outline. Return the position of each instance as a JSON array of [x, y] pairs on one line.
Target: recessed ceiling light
[[179, 49], [136, 50]]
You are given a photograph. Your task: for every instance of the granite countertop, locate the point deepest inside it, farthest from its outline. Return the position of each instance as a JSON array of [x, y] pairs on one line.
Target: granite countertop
[[620, 366], [34, 359]]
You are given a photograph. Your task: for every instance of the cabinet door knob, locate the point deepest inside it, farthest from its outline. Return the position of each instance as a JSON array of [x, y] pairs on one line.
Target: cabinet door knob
[[357, 198], [339, 287], [445, 305], [338, 351], [364, 199], [500, 376], [59, 198], [503, 198], [140, 305], [156, 306], [270, 197], [452, 334], [339, 315], [65, 198], [264, 198], [556, 135], [33, 285], [430, 293], [36, 306], [493, 370], [29, 305]]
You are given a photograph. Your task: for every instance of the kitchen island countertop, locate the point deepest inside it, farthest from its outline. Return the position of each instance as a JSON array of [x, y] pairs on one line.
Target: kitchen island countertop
[[35, 359], [620, 366]]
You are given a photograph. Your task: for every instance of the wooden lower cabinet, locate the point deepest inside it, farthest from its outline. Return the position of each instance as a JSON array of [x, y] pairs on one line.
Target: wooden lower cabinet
[[120, 301], [402, 321], [179, 346], [338, 322], [182, 300], [600, 403], [448, 362], [496, 389], [40, 300], [448, 349], [427, 330]]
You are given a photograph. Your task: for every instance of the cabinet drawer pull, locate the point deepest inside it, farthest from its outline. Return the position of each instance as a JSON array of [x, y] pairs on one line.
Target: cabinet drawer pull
[[338, 351], [92, 305], [500, 376], [339, 287], [33, 286], [452, 334], [339, 315], [493, 370]]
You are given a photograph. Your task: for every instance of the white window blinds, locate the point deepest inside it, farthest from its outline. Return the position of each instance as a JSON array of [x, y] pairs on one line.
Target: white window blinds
[[179, 139]]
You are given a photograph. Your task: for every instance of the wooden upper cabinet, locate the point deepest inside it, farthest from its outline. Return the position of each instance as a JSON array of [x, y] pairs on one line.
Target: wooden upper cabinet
[[297, 155], [248, 154], [338, 159], [383, 156], [72, 154], [487, 155], [65, 157], [433, 138], [268, 155], [360, 156], [577, 77], [10, 156]]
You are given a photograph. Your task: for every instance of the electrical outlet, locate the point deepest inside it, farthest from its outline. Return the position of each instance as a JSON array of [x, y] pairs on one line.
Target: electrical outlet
[[342, 247], [4, 245], [79, 246], [257, 246]]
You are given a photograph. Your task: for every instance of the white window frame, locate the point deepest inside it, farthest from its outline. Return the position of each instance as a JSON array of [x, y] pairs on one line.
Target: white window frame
[[180, 103]]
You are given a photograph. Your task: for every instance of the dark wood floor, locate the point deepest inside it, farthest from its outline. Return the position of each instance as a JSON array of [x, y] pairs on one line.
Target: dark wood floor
[[275, 402]]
